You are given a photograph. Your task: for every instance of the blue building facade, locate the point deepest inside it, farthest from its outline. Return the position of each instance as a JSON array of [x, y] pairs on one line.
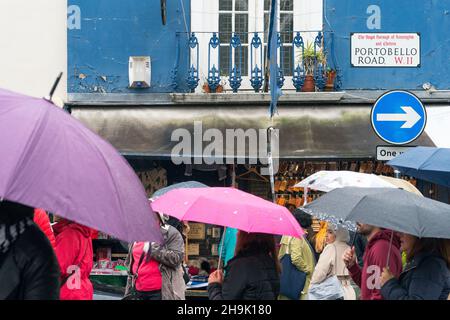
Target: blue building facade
[[103, 34], [430, 19]]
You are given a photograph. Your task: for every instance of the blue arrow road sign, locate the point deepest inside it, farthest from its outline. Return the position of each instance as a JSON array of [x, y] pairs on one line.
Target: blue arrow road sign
[[398, 117]]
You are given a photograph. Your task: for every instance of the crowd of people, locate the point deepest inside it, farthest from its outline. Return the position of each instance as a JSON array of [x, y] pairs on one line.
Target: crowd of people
[[379, 274], [39, 261]]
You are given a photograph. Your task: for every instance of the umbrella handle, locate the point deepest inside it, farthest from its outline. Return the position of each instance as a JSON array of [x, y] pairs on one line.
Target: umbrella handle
[[353, 241], [390, 249]]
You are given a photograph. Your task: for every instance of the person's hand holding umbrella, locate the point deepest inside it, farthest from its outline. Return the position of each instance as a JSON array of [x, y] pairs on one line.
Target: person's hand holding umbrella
[[349, 257], [386, 276], [216, 277]]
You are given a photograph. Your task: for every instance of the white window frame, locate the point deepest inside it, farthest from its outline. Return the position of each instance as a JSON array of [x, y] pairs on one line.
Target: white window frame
[[205, 21]]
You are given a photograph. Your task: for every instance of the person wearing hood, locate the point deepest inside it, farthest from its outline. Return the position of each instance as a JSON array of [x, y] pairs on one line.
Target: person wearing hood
[[375, 258], [43, 222], [28, 266], [330, 262], [426, 275], [75, 256]]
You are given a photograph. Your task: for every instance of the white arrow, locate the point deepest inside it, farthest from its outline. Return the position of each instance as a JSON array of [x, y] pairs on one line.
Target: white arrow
[[410, 117]]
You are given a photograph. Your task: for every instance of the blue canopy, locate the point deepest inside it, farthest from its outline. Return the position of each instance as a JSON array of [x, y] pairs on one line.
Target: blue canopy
[[430, 164]]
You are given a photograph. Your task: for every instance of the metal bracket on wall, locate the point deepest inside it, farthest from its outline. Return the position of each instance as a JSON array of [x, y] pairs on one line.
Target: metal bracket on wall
[[163, 12]]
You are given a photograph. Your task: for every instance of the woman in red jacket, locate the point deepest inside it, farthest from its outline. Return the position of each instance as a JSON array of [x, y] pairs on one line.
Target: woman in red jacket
[[75, 257], [148, 276], [43, 222]]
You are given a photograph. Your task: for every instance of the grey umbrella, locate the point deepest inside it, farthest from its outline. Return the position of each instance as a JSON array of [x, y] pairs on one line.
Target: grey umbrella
[[388, 208], [335, 210], [187, 184]]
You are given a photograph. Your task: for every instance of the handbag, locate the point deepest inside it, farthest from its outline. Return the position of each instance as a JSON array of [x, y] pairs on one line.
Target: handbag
[[133, 294], [292, 280], [329, 289]]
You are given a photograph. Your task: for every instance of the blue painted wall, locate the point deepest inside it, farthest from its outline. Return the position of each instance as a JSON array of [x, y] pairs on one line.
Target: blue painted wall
[[106, 32], [431, 18]]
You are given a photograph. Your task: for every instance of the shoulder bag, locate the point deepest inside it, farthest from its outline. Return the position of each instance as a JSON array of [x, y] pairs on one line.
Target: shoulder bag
[[292, 280], [329, 289]]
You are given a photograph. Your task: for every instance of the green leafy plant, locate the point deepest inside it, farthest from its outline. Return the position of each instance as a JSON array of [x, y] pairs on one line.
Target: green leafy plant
[[310, 58]]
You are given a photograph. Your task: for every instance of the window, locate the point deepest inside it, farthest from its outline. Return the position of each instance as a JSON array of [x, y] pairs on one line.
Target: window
[[233, 18], [244, 17], [286, 29]]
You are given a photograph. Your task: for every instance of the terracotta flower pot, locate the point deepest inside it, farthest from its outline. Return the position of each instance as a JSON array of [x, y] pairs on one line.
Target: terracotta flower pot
[[219, 89], [206, 88], [309, 85], [330, 81]]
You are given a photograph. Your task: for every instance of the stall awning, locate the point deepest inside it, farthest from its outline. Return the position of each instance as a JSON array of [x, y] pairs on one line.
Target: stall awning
[[315, 132]]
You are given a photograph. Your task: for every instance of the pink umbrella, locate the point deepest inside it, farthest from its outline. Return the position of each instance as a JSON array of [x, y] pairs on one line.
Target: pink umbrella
[[228, 207]]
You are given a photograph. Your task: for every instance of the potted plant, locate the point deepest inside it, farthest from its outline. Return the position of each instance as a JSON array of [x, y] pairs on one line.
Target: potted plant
[[310, 57]]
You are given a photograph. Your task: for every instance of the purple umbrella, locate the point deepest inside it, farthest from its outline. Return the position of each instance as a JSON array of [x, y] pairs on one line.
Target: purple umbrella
[[50, 160]]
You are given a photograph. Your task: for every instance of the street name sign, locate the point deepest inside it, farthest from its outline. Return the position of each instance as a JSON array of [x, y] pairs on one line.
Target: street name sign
[[395, 50], [398, 117]]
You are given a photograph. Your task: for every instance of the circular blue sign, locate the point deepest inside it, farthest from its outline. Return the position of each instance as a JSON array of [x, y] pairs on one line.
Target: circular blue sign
[[398, 117]]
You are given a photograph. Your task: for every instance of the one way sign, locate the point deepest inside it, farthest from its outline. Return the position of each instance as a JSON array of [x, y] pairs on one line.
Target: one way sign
[[398, 117]]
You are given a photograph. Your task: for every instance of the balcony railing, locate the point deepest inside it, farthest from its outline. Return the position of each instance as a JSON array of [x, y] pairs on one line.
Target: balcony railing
[[240, 60]]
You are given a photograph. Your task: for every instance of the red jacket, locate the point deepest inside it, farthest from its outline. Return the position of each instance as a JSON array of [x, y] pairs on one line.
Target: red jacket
[[375, 259], [75, 257], [149, 276], [43, 222]]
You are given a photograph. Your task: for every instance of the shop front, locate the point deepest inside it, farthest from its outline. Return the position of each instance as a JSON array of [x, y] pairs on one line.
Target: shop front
[[308, 139]]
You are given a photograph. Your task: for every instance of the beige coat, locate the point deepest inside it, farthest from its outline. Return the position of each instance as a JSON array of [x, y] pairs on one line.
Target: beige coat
[[331, 263]]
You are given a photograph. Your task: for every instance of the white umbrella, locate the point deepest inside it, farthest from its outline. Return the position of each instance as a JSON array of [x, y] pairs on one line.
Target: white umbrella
[[327, 181]]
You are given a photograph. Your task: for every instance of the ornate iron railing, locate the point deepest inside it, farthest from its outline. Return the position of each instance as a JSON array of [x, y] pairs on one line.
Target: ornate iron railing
[[306, 55]]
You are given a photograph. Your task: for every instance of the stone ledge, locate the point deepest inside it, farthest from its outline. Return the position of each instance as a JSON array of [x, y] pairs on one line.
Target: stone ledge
[[245, 98]]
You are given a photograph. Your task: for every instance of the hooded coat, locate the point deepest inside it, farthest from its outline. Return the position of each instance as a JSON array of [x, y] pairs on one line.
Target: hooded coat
[[374, 260], [43, 222], [75, 257]]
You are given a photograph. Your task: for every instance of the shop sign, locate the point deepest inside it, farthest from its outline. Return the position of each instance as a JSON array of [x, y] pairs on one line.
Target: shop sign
[[385, 50]]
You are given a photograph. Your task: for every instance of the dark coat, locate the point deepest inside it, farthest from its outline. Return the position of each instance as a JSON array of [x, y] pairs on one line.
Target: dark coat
[[425, 278], [248, 276], [29, 270]]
